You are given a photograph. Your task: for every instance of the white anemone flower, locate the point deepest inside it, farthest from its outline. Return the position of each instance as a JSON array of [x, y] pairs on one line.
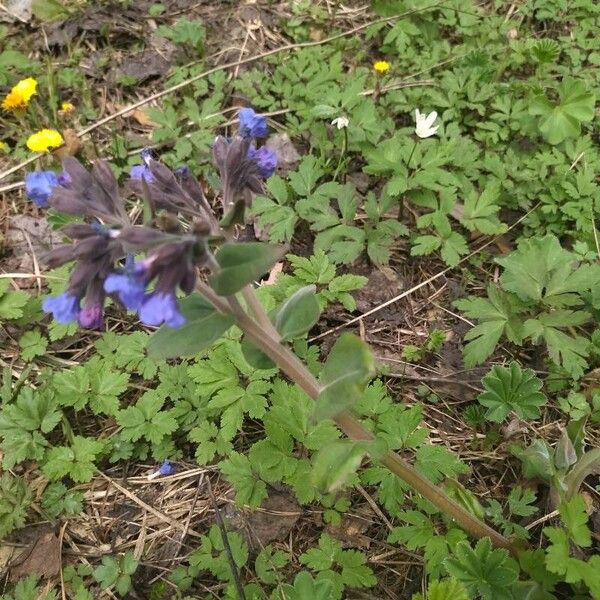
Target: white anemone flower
[[341, 122], [424, 127]]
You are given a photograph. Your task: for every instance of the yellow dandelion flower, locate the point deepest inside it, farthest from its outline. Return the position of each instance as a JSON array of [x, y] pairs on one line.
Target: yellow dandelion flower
[[381, 67], [66, 108], [20, 95], [42, 141], [4, 147]]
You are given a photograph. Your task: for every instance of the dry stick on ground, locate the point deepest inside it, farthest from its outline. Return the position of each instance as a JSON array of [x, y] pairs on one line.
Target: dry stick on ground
[[423, 283], [229, 65]]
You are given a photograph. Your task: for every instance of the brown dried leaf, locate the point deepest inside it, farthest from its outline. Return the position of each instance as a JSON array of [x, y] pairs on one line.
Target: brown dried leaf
[[71, 146], [141, 117], [41, 557]]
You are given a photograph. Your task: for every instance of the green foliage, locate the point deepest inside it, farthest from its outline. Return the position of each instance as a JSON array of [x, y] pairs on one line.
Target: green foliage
[[515, 142], [24, 425], [116, 572], [519, 504], [483, 571], [320, 271], [563, 120], [445, 589], [347, 370], [12, 302], [59, 499], [298, 313], [305, 587], [185, 32], [211, 555], [241, 264], [15, 497], [28, 589], [341, 568], [543, 291], [76, 461], [146, 419], [511, 389], [558, 554]]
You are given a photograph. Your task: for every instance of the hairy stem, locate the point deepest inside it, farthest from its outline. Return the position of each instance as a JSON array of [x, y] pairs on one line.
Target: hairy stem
[[261, 317], [297, 371]]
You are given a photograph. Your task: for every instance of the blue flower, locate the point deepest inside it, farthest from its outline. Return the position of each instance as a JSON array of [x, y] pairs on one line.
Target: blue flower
[[64, 308], [141, 172], [39, 185], [265, 158], [166, 468], [161, 307], [130, 285], [91, 317], [251, 124]]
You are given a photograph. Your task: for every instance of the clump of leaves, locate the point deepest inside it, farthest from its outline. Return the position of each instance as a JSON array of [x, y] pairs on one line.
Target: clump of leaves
[[486, 572], [511, 389], [563, 119], [342, 568], [543, 291], [116, 572], [15, 497]]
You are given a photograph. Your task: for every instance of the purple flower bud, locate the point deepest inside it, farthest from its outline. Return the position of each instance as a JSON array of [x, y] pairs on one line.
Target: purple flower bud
[[64, 308], [64, 179], [141, 172], [265, 158], [39, 185], [251, 124], [161, 307], [91, 317], [130, 285], [166, 468]]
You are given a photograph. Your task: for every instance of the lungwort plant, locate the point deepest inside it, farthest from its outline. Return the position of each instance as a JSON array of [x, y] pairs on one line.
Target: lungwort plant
[[185, 249]]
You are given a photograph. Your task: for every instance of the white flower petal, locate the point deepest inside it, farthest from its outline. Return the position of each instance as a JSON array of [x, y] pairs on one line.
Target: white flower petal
[[431, 117]]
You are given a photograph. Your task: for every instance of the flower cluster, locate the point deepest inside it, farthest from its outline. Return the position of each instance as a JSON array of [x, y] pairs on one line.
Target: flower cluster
[[143, 267]]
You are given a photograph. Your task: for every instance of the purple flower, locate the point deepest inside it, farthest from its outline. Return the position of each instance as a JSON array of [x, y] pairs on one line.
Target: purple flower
[[39, 185], [141, 172], [64, 179], [64, 308], [265, 158], [91, 317], [130, 285], [251, 124], [161, 307], [166, 468]]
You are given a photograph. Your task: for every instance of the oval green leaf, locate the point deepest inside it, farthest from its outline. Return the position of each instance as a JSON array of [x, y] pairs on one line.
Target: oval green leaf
[[347, 370], [242, 263], [298, 313]]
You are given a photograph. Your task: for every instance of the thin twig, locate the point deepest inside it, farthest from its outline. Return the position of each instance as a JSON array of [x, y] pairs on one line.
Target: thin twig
[[431, 279]]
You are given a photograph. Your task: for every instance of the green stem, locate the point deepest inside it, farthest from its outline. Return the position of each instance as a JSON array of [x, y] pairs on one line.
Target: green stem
[[342, 154], [289, 363], [295, 369], [410, 157]]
